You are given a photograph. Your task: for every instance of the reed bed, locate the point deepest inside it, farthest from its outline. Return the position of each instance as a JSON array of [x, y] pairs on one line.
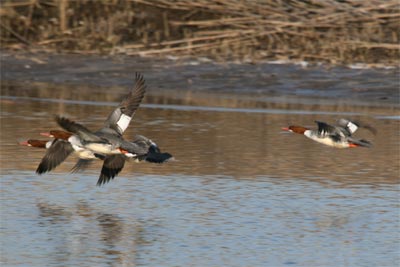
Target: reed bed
[[333, 31]]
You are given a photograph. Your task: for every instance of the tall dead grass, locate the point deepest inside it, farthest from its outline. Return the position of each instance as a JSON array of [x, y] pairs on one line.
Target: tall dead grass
[[334, 31]]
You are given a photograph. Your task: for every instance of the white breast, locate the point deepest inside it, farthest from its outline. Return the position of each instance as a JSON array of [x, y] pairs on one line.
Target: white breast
[[105, 149], [325, 140], [86, 154]]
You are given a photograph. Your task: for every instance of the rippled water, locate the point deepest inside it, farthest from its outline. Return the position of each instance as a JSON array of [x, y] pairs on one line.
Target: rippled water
[[240, 193], [187, 220]]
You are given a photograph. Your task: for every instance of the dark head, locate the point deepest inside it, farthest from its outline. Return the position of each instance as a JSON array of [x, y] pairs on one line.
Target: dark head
[[155, 156]]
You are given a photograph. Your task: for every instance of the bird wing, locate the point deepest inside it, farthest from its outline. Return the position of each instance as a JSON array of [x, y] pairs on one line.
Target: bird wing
[[349, 127], [325, 129], [111, 167], [361, 142], [119, 118], [55, 155], [81, 165], [84, 133]]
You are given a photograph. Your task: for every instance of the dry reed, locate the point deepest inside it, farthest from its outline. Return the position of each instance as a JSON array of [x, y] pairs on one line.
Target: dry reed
[[334, 31]]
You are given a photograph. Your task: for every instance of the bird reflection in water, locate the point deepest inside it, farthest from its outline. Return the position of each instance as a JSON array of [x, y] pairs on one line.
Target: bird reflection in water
[[81, 231]]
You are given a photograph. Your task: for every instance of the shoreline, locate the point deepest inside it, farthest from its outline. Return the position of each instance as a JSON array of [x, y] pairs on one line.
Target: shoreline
[[191, 82]]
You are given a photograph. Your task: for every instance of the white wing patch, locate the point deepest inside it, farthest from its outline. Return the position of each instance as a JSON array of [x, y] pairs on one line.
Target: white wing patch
[[75, 141], [352, 127], [123, 122], [48, 144], [152, 143]]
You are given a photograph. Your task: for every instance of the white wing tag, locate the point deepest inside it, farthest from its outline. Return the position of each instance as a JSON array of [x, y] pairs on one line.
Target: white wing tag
[[352, 127], [123, 122]]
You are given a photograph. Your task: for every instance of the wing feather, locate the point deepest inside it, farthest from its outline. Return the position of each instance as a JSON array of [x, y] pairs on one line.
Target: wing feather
[[78, 129], [120, 117], [55, 155], [111, 167]]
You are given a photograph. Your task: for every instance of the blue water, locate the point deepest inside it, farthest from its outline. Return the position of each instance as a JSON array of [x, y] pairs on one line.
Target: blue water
[[147, 220]]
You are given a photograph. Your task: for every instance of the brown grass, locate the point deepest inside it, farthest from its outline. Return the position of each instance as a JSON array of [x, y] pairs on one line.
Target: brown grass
[[338, 32]]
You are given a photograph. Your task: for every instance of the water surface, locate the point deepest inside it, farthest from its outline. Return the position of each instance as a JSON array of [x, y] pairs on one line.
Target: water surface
[[241, 192]]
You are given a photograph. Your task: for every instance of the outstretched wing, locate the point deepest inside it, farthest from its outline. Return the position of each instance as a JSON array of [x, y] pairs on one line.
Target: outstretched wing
[[349, 126], [120, 118], [361, 142], [78, 129], [55, 155], [111, 167], [325, 129], [81, 165]]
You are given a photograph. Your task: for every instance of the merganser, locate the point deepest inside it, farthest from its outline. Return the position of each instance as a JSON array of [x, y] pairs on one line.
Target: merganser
[[141, 149], [117, 122], [59, 149], [153, 154], [106, 142], [58, 152], [339, 136]]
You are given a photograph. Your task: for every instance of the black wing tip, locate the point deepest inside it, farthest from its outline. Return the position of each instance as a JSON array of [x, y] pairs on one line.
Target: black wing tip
[[40, 170], [63, 122], [140, 81], [44, 166], [109, 173], [59, 118], [100, 182], [321, 123], [139, 76], [323, 126], [103, 180]]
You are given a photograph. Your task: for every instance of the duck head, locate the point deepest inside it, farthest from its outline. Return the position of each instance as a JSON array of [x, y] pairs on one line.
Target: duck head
[[58, 134], [34, 143], [295, 129]]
